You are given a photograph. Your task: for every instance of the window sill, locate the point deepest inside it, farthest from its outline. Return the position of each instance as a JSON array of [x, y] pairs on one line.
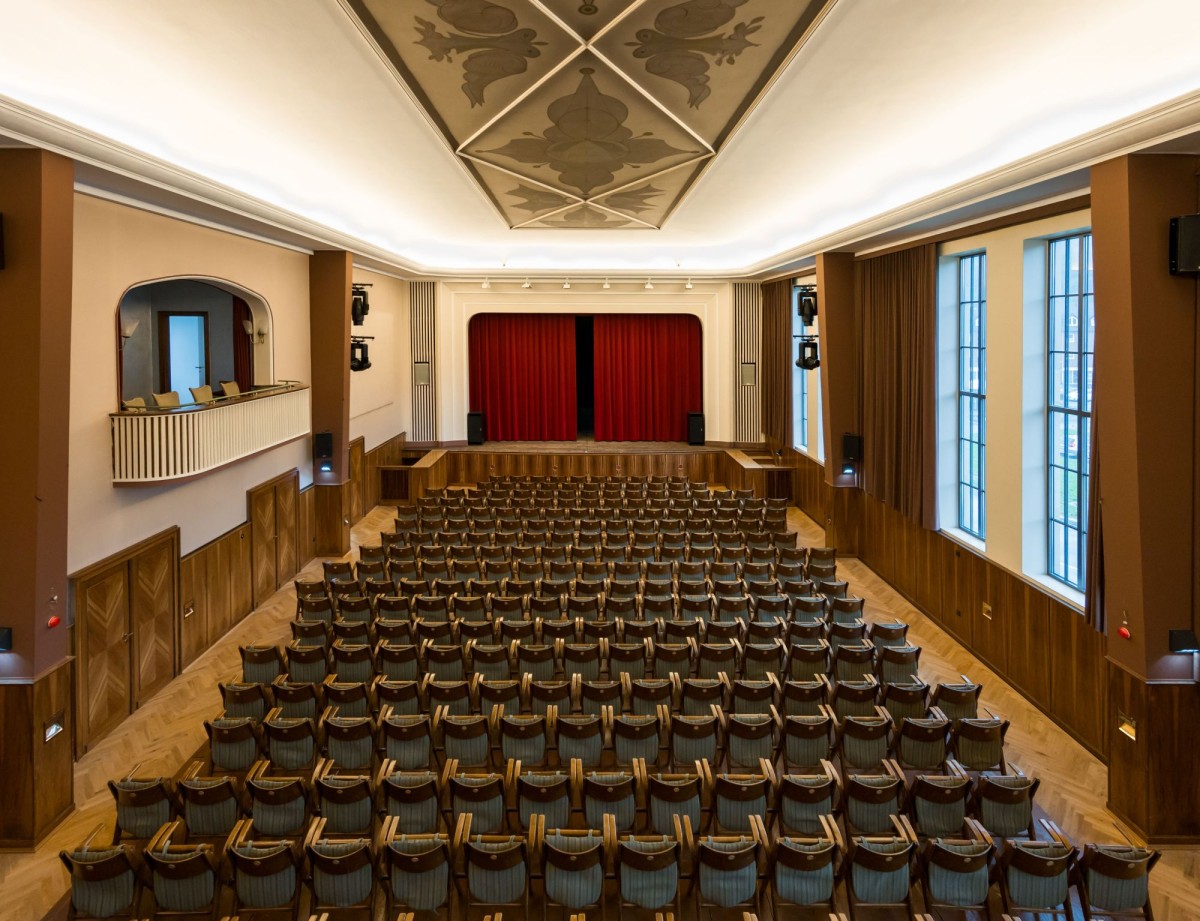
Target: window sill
[[1059, 590], [970, 541], [809, 454]]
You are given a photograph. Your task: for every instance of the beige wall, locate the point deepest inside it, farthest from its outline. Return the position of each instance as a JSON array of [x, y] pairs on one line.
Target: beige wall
[[117, 246], [380, 398], [457, 302], [1015, 473]]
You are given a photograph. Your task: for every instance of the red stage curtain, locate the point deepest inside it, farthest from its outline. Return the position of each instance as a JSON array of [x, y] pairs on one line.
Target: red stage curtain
[[243, 351], [648, 376], [523, 375]]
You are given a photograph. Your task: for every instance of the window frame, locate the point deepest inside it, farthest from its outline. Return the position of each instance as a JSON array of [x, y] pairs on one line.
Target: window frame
[[972, 427]]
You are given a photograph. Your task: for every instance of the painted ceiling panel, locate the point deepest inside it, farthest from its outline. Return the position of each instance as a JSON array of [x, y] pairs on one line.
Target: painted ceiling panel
[[587, 100]]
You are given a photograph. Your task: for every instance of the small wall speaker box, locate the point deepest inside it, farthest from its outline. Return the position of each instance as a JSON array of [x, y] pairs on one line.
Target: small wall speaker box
[[323, 445], [695, 428], [1185, 245], [851, 447], [475, 429], [5, 639]]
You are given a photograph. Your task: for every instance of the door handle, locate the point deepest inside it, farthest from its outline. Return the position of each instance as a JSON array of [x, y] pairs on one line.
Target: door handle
[[125, 638]]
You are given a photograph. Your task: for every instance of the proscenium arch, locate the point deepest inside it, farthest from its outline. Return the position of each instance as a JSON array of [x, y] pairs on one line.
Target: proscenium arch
[[260, 313]]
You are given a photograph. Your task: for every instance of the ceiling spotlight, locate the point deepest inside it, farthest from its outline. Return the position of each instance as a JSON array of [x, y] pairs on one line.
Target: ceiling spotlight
[[806, 303], [359, 304], [810, 356], [649, 286], [566, 283], [688, 286], [606, 284], [487, 283], [527, 284]]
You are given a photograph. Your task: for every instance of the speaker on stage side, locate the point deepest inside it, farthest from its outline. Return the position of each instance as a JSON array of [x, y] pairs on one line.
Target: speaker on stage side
[[475, 430], [323, 445], [1185, 245], [695, 428], [851, 447]]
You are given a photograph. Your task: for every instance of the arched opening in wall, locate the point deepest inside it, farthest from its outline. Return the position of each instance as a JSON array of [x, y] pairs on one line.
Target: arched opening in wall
[[181, 335]]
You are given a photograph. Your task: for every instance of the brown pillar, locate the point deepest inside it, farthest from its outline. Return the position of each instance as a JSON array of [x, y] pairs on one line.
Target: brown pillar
[[1146, 343], [329, 280], [37, 204], [840, 344]]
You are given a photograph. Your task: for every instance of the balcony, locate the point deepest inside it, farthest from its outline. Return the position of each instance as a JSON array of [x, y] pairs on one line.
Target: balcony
[[163, 445]]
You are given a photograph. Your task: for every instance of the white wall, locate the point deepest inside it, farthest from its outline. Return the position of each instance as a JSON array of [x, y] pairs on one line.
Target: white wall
[[380, 397], [1015, 474], [116, 247], [457, 302]]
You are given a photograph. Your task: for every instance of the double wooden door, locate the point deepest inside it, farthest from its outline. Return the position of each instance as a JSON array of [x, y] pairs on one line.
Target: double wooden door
[[124, 634], [274, 520]]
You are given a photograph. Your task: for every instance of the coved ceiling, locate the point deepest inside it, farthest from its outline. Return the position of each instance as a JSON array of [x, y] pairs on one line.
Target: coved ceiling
[[587, 115]]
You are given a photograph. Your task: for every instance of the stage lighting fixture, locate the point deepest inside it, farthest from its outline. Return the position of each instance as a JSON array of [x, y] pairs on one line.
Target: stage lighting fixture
[[359, 304], [806, 303], [810, 356], [360, 355]]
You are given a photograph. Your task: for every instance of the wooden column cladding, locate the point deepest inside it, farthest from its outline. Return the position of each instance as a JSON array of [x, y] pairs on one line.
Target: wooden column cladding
[[37, 202], [329, 282], [1146, 406], [840, 342]]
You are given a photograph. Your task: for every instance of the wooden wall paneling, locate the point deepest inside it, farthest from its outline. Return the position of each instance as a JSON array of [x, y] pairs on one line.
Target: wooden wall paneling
[[218, 589], [106, 673], [306, 529], [906, 555], [262, 539], [152, 614], [287, 518], [1174, 807], [241, 579], [842, 519], [954, 609], [193, 595], [1028, 614], [928, 590], [990, 632], [357, 479], [1128, 758], [1078, 675]]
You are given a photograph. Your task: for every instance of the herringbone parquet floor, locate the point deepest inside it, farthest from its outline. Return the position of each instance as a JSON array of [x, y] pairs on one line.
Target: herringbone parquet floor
[[167, 731]]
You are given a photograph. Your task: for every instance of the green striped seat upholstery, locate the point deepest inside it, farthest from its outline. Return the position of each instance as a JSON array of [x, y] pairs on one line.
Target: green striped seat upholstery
[[466, 739], [948, 885], [627, 748], [341, 890], [655, 888], [752, 697], [732, 810], [750, 738], [727, 887], [1006, 819], [554, 804], [864, 742], [295, 748], [279, 814], [700, 695], [1114, 894], [693, 738], [870, 807], [519, 741], [399, 662], [921, 743], [190, 892], [270, 891], [716, 658], [406, 741], [348, 752], [670, 798], [806, 740], [346, 804], [497, 887], [106, 892], [797, 884], [583, 739], [979, 754], [411, 796], [426, 888], [633, 665], [232, 751], [243, 699], [483, 797], [260, 672], [490, 662], [304, 672], [619, 800], [937, 815], [573, 889], [354, 666], [648, 693], [882, 886], [535, 661], [1046, 889], [141, 817], [582, 659], [803, 799], [205, 818]]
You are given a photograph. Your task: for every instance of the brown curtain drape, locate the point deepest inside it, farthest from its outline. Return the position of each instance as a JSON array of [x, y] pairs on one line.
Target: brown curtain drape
[[243, 350], [896, 300], [775, 384], [1093, 588]]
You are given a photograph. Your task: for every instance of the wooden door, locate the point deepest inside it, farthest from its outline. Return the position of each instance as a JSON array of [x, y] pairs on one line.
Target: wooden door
[[262, 530], [241, 589], [193, 626], [357, 469], [217, 589], [106, 682], [287, 520], [152, 619]]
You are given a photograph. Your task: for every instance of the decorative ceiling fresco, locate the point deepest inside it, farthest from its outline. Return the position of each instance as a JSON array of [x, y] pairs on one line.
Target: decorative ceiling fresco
[[587, 115]]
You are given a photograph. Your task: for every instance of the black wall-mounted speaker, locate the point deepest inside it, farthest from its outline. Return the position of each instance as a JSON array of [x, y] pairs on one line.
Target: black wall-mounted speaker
[[695, 428], [476, 434], [851, 447], [323, 445], [1185, 245]]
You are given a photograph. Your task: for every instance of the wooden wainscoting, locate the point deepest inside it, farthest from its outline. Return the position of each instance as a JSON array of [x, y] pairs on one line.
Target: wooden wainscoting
[[357, 471], [307, 539], [274, 514], [215, 591], [471, 466], [1043, 646], [387, 454], [125, 611]]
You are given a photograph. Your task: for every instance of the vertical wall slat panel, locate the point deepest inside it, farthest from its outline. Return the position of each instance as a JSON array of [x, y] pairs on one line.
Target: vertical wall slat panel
[[747, 344], [423, 297]]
